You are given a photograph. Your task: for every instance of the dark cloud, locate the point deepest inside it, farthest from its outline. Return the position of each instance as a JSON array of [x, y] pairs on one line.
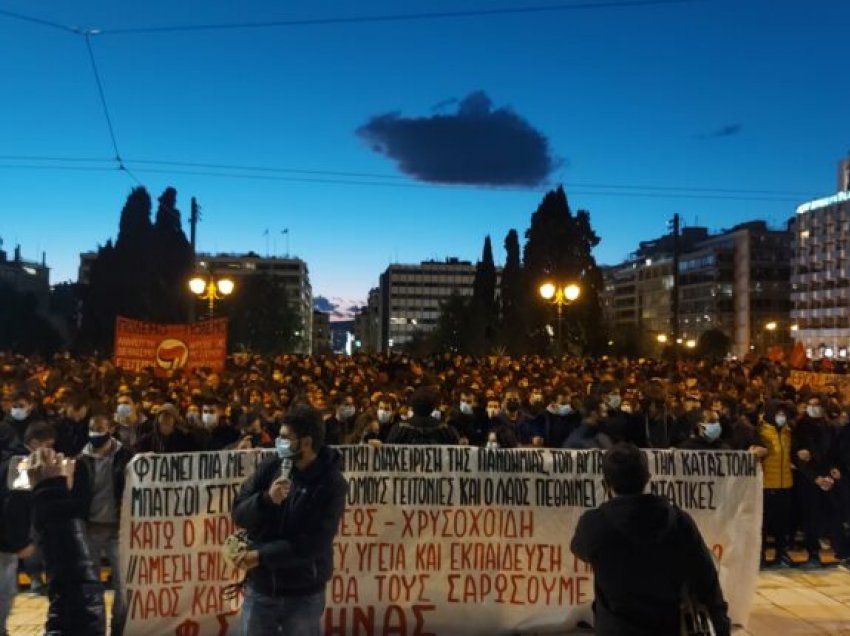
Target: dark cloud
[[444, 104], [476, 145], [321, 303], [724, 131]]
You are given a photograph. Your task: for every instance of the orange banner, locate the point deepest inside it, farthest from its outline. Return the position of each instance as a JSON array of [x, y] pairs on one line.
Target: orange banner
[[167, 348]]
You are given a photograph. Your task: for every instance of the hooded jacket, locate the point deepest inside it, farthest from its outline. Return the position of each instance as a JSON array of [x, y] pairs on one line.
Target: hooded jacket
[[777, 440], [644, 551], [294, 539]]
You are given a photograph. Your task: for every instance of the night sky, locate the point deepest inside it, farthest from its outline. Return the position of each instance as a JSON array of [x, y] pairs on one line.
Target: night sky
[[402, 140]]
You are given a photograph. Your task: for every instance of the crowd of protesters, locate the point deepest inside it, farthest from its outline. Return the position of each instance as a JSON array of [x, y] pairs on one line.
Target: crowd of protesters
[[88, 409]]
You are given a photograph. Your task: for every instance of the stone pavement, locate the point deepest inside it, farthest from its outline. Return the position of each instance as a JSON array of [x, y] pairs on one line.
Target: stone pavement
[[788, 603]]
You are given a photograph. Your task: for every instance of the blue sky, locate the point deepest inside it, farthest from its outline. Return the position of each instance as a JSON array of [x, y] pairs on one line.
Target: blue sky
[[715, 95]]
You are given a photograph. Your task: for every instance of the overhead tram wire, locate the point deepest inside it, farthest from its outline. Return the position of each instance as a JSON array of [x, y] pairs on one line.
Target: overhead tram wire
[[87, 36], [269, 173], [40, 21], [399, 17]]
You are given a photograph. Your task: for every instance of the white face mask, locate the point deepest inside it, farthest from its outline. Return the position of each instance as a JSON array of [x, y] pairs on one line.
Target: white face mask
[[209, 419], [465, 408], [711, 431], [614, 401], [384, 416], [18, 413], [781, 419], [436, 414], [814, 411]]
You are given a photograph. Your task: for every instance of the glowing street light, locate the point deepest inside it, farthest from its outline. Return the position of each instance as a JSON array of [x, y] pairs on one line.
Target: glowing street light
[[560, 295], [771, 326], [211, 290], [661, 338]]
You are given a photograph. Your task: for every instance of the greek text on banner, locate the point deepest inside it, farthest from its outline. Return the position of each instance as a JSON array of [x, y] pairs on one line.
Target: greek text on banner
[[434, 540]]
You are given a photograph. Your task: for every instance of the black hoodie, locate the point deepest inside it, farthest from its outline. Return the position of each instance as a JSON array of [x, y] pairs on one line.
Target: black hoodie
[[295, 539], [644, 551]]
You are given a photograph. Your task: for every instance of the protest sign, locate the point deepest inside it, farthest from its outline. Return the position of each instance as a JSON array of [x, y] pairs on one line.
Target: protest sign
[[818, 381], [434, 540], [139, 345]]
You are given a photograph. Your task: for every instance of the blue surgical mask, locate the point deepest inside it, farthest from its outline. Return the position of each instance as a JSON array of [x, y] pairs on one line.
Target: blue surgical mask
[[284, 449], [124, 410], [18, 413], [564, 409], [711, 431]]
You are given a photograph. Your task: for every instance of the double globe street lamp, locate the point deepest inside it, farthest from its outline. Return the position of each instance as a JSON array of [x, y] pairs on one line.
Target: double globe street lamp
[[560, 296], [211, 289]]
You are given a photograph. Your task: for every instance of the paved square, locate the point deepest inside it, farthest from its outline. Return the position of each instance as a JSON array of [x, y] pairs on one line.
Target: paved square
[[788, 603]]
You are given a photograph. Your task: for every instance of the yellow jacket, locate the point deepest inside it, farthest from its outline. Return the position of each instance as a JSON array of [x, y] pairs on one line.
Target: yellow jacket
[[777, 464]]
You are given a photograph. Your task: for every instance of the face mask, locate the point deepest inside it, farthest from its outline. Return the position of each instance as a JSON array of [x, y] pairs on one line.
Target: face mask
[[346, 412], [492, 413], [209, 419], [781, 420], [436, 414], [97, 440], [466, 408], [614, 401], [384, 416], [123, 410], [814, 411], [284, 449], [18, 413], [711, 431], [512, 405]]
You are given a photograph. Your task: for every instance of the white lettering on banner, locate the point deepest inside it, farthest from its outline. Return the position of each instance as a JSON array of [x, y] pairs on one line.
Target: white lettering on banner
[[434, 540]]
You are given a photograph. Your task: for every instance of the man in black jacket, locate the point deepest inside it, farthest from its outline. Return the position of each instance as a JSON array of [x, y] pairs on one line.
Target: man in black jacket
[[15, 535], [291, 522], [814, 455], [422, 428], [644, 553], [73, 586]]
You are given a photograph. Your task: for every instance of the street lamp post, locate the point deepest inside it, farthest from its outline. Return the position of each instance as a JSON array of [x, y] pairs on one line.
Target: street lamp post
[[211, 290], [560, 296]]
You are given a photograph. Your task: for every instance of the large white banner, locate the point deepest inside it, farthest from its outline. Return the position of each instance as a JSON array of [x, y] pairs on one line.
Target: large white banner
[[434, 541]]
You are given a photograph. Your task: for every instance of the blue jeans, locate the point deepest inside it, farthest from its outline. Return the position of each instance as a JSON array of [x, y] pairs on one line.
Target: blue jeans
[[288, 616], [8, 585], [104, 539]]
